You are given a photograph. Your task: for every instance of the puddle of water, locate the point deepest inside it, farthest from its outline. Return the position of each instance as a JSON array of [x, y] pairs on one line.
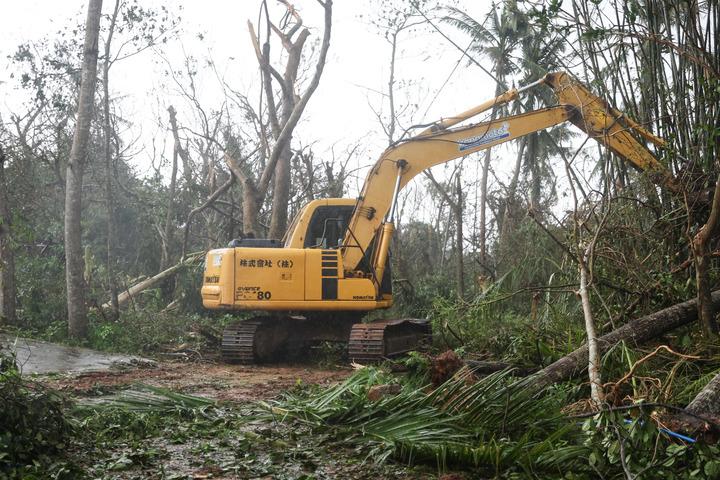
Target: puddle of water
[[36, 356]]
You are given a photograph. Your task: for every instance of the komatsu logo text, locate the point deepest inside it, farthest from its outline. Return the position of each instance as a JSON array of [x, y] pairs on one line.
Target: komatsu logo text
[[490, 136]]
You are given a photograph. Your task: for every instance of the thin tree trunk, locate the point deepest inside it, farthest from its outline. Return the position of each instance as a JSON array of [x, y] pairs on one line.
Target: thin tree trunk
[[594, 375], [7, 256], [169, 212], [211, 199], [635, 332], [702, 266], [77, 310], [531, 155], [458, 210], [107, 153], [391, 89], [485, 170], [506, 227], [482, 232]]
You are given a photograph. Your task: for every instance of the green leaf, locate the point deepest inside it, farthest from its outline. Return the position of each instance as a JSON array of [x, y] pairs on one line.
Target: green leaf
[[712, 469]]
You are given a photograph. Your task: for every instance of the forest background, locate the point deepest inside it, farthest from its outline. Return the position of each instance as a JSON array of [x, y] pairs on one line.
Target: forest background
[[520, 251]]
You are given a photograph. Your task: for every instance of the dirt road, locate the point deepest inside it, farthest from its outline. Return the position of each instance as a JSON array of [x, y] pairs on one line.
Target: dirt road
[[212, 380], [82, 372], [226, 443]]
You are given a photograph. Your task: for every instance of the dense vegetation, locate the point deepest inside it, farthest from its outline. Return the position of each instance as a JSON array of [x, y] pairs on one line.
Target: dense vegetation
[[499, 267], [493, 426]]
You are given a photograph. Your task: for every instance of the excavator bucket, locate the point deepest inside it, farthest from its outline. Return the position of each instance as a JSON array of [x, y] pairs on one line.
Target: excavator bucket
[[600, 121]]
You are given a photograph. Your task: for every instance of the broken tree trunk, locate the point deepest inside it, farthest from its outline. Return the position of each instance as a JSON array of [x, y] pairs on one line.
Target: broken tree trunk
[[151, 282], [8, 291], [636, 332], [707, 402]]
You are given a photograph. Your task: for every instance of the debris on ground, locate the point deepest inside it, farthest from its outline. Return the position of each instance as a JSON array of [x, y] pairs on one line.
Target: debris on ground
[[235, 383], [377, 392], [444, 366]]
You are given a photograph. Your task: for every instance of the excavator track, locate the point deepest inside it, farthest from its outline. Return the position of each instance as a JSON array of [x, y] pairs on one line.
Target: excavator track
[[238, 341], [268, 338], [376, 341], [265, 338]]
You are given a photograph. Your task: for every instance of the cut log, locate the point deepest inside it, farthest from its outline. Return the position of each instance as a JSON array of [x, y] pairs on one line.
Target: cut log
[[635, 332], [124, 297], [707, 402]]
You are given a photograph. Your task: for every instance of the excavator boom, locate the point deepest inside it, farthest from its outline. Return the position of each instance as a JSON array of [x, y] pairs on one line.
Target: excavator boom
[[440, 144]]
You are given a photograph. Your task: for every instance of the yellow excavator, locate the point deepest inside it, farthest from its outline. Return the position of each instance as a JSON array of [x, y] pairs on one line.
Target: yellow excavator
[[333, 266]]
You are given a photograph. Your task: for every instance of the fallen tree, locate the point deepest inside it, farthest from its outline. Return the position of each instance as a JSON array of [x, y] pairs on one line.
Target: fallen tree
[[635, 332], [129, 293], [707, 402]]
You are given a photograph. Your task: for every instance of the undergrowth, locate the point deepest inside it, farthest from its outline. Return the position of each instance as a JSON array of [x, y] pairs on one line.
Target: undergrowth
[[145, 331], [149, 332], [154, 433], [491, 427], [34, 428], [150, 432], [672, 372], [481, 327], [495, 427], [492, 424]]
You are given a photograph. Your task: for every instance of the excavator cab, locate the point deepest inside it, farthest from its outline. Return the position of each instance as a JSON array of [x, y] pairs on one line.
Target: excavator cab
[[327, 227], [320, 224], [303, 273], [303, 281]]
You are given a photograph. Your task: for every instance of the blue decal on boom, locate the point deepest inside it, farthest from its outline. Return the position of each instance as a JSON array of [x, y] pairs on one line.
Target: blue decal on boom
[[492, 135]]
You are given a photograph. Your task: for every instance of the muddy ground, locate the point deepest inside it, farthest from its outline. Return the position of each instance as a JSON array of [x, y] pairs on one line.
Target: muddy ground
[[208, 378], [84, 372], [231, 442], [229, 447]]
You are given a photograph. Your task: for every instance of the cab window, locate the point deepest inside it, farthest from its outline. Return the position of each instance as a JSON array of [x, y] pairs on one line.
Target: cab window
[[327, 226]]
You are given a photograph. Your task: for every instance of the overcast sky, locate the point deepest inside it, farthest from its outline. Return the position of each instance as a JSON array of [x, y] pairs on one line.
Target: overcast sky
[[338, 115]]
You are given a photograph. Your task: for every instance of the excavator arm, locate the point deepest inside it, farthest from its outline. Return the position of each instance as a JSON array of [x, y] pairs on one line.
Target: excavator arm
[[332, 286], [373, 219]]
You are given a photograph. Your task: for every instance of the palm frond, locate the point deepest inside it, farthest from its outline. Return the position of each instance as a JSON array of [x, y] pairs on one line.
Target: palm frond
[[146, 398], [490, 422]]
